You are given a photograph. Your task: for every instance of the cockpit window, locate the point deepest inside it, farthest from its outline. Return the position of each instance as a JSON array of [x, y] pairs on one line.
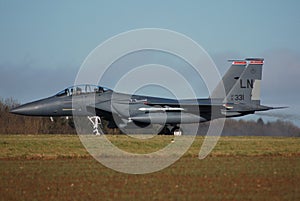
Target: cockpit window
[[82, 89]]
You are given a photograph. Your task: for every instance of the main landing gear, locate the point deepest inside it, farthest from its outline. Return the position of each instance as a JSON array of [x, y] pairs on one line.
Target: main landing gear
[[176, 131], [171, 130]]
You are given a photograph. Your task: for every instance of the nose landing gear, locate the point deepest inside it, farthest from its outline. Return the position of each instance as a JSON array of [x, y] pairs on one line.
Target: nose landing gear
[[96, 121]]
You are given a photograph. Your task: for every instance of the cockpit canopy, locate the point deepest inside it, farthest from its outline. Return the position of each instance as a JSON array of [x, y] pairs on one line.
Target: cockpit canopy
[[82, 89]]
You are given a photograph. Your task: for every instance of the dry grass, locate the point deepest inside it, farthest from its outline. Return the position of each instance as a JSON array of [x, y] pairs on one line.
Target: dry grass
[[239, 168]]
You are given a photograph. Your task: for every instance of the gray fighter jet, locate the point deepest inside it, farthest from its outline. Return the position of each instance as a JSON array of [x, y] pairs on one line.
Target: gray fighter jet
[[242, 97]]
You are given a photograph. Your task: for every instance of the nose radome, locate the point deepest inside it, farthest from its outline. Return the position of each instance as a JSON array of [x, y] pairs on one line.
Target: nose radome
[[26, 109], [43, 107], [36, 108]]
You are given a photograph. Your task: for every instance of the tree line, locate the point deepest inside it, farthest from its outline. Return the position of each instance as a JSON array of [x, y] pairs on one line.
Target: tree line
[[16, 124], [241, 127]]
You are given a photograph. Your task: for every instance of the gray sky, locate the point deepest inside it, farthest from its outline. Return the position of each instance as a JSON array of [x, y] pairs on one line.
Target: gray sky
[[43, 43]]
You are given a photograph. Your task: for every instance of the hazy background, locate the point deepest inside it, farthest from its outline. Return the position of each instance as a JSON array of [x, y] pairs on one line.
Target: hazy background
[[43, 43]]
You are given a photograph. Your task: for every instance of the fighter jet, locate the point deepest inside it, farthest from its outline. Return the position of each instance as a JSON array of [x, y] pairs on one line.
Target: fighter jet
[[242, 97]]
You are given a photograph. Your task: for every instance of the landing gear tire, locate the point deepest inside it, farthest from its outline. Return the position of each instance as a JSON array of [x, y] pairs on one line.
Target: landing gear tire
[[176, 131]]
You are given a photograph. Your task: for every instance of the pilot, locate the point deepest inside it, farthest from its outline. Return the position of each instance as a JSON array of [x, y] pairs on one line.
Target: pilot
[[78, 90], [67, 92], [100, 90]]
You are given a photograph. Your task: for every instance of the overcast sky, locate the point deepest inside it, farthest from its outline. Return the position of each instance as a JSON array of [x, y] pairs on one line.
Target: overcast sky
[[43, 43]]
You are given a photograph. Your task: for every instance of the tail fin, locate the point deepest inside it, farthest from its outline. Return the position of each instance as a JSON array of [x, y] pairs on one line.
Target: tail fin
[[247, 88], [229, 79]]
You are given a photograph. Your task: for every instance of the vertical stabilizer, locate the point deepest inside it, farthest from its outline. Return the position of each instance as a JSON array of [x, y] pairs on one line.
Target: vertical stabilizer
[[229, 79], [247, 88]]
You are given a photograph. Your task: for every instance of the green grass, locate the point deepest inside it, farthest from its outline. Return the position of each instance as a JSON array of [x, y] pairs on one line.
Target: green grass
[[69, 146], [57, 167], [41, 146]]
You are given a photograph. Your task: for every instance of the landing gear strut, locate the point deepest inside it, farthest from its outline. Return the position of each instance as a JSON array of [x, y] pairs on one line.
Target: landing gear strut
[[96, 121]]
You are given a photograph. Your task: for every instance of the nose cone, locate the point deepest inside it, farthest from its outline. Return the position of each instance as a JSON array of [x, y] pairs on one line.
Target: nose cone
[[29, 109], [19, 110], [37, 108]]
